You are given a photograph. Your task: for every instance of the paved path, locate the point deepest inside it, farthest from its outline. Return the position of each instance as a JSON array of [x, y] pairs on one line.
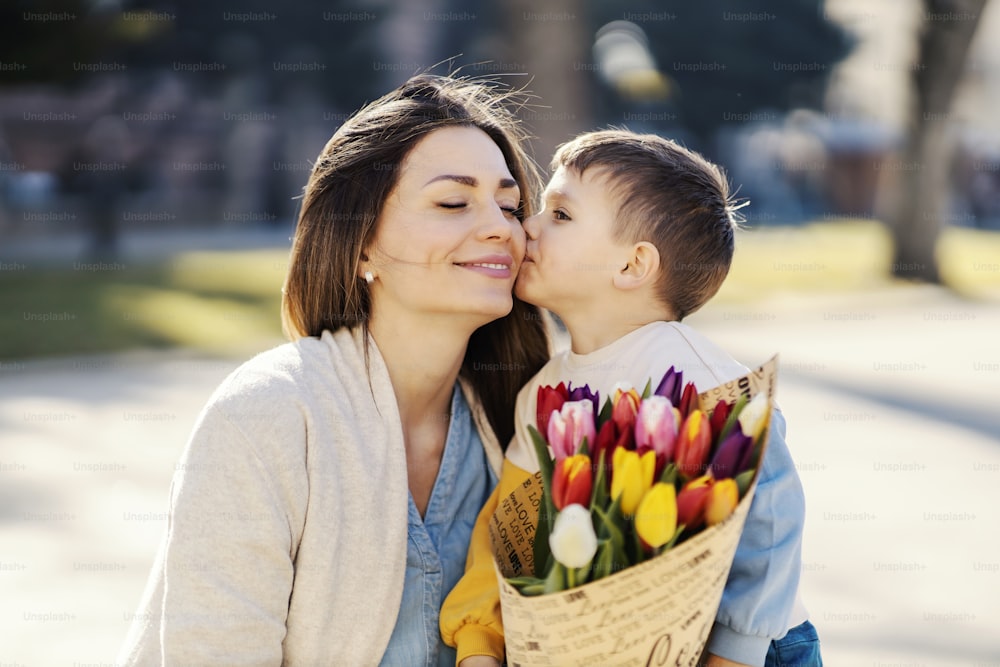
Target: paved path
[[891, 400]]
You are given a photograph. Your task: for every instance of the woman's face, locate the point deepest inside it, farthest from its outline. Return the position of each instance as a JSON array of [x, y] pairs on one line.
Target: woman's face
[[447, 242]]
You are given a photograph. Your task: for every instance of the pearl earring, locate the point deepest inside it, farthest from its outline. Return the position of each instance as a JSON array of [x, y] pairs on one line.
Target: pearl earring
[[369, 278]]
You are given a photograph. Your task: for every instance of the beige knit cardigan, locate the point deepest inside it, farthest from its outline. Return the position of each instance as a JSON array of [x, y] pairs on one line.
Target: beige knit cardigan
[[286, 541]]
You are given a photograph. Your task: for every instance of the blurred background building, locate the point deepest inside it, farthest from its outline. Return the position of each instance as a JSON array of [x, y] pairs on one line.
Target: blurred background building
[[127, 115]]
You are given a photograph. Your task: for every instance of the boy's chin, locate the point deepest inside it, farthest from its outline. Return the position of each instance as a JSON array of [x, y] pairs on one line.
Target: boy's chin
[[527, 294]]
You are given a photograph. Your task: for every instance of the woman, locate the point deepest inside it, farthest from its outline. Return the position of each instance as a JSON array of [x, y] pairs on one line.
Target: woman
[[325, 501]]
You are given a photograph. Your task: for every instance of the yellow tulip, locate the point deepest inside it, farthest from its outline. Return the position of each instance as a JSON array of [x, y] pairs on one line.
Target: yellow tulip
[[631, 477], [723, 496], [656, 517]]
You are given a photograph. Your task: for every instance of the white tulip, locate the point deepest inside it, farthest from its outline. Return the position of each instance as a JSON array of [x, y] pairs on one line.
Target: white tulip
[[572, 540], [753, 416]]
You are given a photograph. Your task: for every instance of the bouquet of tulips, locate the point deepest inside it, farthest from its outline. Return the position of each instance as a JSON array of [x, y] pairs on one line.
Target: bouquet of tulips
[[631, 478]]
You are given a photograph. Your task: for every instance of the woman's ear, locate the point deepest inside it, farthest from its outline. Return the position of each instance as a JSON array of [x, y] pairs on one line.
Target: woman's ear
[[642, 267], [364, 265]]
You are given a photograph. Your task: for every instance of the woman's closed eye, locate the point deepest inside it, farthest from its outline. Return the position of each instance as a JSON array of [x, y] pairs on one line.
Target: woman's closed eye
[[512, 210], [508, 209]]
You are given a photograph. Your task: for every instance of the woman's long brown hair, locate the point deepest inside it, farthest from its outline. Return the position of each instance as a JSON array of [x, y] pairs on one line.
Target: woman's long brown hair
[[348, 186]]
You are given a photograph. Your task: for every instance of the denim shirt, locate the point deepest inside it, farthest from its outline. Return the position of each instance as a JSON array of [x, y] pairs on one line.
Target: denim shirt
[[437, 545]]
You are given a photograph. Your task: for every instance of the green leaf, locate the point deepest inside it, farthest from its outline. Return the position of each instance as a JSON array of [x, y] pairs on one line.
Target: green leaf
[[547, 509], [532, 590], [605, 413], [647, 390], [545, 462], [599, 494], [518, 582], [673, 540], [540, 547], [583, 448], [633, 546], [582, 574], [556, 580], [603, 560], [669, 474], [611, 525], [743, 481]]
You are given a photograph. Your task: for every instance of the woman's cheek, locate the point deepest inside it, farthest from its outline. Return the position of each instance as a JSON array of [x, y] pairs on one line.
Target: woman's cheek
[[519, 239]]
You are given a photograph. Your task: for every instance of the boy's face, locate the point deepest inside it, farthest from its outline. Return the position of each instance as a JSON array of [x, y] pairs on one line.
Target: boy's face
[[571, 257]]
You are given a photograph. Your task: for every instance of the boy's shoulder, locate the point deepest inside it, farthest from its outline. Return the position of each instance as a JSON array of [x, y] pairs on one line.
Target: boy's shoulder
[[703, 361], [649, 351], [645, 353]]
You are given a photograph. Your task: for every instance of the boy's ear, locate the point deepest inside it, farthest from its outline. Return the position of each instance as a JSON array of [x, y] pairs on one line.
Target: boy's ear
[[642, 267]]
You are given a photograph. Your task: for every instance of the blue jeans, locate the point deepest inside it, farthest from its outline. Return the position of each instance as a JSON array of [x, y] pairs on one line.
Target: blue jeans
[[798, 648]]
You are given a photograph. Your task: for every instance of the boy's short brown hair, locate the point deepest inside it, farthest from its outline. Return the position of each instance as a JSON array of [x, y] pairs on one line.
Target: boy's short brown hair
[[669, 196]]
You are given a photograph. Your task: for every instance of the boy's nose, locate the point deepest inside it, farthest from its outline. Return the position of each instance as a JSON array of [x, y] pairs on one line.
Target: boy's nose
[[531, 226]]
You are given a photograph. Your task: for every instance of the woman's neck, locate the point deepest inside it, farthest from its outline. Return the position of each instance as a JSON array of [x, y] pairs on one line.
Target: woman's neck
[[423, 359]]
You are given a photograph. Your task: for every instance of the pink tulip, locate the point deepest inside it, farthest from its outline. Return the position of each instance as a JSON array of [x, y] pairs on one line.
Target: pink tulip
[[569, 426], [656, 428]]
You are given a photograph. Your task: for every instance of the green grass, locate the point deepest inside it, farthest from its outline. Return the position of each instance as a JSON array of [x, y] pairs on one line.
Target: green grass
[[222, 303], [228, 302], [851, 255]]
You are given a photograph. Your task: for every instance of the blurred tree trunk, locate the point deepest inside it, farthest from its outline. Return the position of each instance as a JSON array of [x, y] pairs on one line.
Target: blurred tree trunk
[[552, 41], [947, 28]]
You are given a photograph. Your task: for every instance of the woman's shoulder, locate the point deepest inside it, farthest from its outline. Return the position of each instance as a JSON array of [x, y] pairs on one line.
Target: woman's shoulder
[[286, 379], [291, 369]]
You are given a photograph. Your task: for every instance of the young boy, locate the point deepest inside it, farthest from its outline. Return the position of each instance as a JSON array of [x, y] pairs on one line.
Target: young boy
[[636, 233]]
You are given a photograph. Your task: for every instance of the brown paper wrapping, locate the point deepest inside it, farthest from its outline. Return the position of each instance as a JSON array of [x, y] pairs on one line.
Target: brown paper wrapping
[[656, 613]]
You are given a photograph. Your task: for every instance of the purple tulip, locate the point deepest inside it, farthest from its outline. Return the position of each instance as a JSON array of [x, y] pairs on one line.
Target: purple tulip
[[584, 393], [731, 455], [671, 385]]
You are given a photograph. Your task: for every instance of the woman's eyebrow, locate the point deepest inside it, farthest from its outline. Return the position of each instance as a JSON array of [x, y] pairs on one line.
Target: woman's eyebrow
[[471, 181]]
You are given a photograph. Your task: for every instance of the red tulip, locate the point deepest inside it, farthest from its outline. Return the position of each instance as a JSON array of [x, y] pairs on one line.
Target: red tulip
[[693, 443], [549, 400], [689, 400], [625, 408], [625, 439], [691, 502], [719, 416], [572, 481], [604, 442]]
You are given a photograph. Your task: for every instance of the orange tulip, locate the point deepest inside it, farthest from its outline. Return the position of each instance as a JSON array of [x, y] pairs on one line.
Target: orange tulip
[[693, 443], [572, 481], [691, 502], [723, 496]]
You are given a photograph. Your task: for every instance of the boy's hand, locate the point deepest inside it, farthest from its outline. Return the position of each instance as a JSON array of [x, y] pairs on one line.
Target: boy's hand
[[715, 661], [480, 661]]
